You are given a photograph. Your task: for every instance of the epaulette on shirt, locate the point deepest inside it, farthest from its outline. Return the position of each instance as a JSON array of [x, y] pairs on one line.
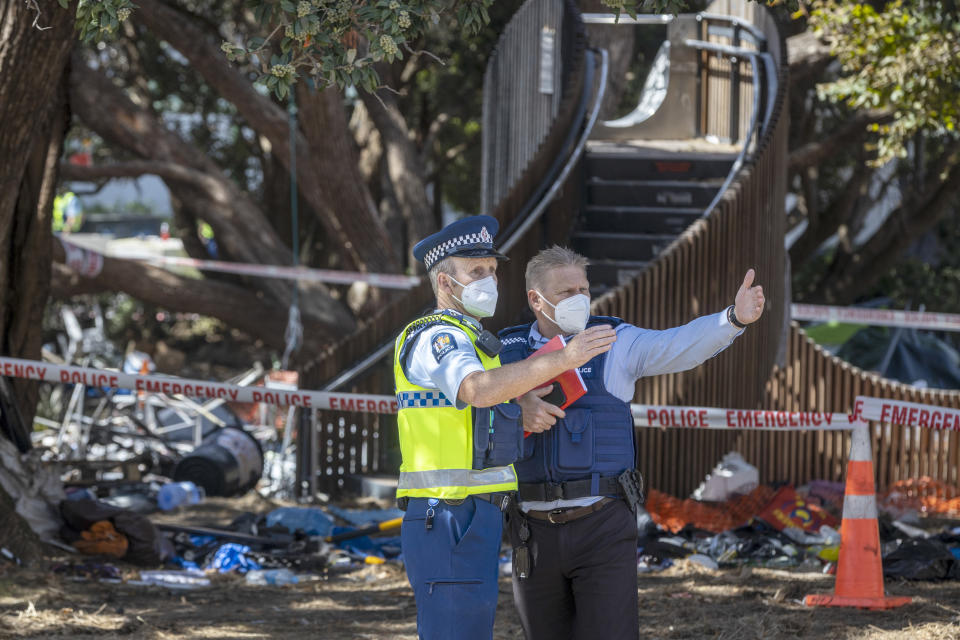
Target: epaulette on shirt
[[418, 326]]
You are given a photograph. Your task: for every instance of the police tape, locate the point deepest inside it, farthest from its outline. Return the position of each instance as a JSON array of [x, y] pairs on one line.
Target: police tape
[[904, 413], [652, 416], [877, 317], [86, 260], [67, 374], [755, 419]]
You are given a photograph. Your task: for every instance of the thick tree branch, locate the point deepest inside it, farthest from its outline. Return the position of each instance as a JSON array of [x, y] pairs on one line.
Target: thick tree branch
[[238, 307], [137, 168], [324, 178], [808, 57], [856, 272], [853, 130]]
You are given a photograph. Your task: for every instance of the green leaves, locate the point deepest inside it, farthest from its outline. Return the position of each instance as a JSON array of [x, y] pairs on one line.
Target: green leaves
[[904, 59], [99, 19], [337, 42]]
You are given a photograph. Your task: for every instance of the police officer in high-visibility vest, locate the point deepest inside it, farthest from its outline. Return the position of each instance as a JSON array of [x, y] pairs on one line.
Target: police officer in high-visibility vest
[[575, 532], [67, 213], [459, 432]]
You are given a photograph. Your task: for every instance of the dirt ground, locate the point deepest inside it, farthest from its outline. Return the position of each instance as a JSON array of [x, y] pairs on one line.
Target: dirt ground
[[376, 602], [685, 601]]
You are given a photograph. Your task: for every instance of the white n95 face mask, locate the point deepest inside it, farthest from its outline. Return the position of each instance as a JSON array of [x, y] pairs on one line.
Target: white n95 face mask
[[479, 297], [570, 314]]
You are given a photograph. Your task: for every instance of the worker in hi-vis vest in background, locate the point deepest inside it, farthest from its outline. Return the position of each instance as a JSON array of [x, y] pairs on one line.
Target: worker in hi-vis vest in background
[[67, 213]]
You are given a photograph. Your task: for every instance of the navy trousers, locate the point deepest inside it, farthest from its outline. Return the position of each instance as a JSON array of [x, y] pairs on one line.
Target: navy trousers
[[453, 567], [583, 584]]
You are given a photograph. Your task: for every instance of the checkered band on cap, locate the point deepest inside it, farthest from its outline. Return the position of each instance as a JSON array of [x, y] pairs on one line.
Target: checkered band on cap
[[450, 246]]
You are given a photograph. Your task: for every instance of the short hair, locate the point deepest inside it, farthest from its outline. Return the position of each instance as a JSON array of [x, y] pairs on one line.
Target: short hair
[[443, 266], [552, 258]]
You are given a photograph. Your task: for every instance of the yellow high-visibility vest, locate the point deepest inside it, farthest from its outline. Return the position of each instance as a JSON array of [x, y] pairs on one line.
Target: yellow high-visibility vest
[[60, 208], [436, 438]]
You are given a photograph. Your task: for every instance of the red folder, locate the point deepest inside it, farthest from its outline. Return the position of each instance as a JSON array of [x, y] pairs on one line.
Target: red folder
[[570, 381]]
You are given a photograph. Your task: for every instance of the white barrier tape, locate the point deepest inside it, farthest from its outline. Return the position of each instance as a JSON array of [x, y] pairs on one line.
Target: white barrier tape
[[715, 418], [877, 409], [908, 413], [368, 403], [330, 276], [87, 263], [877, 317]]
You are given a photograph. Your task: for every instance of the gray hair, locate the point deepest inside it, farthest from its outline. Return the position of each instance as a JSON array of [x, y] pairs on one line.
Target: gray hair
[[443, 266], [552, 258]]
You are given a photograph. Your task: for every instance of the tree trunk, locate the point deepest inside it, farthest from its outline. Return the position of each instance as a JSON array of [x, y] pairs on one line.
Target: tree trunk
[[15, 534], [332, 186], [238, 306], [34, 115], [323, 121], [405, 168], [33, 112]]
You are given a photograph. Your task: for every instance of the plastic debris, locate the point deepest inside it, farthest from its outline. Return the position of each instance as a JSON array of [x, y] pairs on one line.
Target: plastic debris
[[271, 576], [174, 494], [732, 476], [232, 557], [311, 520], [187, 579]]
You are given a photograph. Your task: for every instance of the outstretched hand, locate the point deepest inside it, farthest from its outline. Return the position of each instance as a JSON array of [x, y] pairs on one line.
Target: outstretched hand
[[749, 302]]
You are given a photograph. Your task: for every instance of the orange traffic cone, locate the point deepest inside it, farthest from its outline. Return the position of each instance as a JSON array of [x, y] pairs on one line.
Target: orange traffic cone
[[859, 569]]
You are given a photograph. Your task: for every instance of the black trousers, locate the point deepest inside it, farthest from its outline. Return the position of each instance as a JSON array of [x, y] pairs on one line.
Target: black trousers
[[583, 584]]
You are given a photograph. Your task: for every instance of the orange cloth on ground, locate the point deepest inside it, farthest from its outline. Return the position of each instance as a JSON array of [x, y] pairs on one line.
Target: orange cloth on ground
[[674, 514], [102, 538]]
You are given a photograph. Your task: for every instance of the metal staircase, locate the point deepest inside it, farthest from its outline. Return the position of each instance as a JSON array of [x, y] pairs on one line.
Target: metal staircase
[[637, 199], [650, 174]]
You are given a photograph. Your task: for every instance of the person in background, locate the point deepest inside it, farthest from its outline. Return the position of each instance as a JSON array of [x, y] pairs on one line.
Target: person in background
[[67, 213]]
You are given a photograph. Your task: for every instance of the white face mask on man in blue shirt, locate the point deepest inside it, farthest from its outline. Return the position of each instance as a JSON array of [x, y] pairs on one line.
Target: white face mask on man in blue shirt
[[570, 314]]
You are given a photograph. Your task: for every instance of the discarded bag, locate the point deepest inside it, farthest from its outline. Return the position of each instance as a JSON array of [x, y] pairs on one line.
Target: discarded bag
[[144, 546], [732, 476], [920, 559]]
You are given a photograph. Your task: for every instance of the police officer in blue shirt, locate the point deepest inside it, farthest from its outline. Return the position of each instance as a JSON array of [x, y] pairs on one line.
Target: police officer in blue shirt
[[459, 432], [575, 532]]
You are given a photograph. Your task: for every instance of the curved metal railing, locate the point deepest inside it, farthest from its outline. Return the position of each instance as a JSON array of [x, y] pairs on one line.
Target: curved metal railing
[[700, 271]]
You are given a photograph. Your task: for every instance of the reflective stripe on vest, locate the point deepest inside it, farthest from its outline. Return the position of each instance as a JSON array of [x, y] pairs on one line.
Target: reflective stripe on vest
[[439, 478]]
